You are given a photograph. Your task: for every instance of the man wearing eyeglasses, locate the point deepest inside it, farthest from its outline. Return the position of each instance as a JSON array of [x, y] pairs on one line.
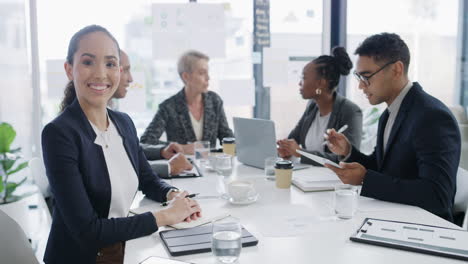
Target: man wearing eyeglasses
[[417, 154]]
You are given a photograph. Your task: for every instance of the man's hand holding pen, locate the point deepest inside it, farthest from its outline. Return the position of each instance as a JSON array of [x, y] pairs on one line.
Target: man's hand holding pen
[[350, 173], [337, 142]]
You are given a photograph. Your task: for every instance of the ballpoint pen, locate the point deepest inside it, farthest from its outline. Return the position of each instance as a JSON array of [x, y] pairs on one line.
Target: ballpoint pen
[[341, 130], [186, 196]]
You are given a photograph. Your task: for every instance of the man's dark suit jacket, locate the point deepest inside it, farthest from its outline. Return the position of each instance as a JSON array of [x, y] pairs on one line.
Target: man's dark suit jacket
[[421, 160], [80, 183], [173, 118], [344, 112]]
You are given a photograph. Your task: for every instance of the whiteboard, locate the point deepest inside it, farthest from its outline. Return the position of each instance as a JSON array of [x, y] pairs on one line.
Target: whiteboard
[[180, 27]]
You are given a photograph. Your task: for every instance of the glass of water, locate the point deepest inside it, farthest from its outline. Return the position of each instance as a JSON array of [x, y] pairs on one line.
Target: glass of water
[[270, 167], [226, 241], [346, 200], [223, 164], [202, 150]]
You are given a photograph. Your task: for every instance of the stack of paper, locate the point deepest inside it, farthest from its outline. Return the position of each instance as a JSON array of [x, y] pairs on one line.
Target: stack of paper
[[316, 179]]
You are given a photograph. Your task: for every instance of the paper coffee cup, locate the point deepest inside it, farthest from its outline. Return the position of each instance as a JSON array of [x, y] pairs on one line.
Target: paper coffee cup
[[229, 146], [283, 174]]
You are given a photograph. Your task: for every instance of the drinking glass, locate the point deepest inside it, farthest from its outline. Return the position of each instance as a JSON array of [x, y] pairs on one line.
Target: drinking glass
[[270, 167], [226, 241], [223, 164], [202, 149], [345, 200]]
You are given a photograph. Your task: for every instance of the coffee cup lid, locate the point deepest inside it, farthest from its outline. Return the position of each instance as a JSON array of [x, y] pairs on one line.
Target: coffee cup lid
[[284, 164], [229, 140]]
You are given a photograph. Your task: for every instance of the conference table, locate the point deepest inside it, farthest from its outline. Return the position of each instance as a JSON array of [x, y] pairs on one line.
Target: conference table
[[292, 226]]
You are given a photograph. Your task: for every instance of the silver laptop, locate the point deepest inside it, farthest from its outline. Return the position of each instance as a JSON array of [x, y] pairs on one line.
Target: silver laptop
[[256, 141]]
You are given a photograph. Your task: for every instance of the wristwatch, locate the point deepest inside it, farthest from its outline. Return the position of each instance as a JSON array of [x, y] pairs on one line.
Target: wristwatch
[[171, 190]]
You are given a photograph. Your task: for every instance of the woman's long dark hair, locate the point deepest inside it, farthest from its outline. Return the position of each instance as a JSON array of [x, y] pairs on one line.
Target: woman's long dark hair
[[70, 93], [331, 67]]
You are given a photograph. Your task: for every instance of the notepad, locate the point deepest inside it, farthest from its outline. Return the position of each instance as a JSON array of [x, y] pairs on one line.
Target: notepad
[[205, 219], [434, 240], [316, 179], [160, 260], [207, 216]]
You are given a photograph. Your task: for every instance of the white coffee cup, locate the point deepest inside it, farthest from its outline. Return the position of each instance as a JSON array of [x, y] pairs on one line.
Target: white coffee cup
[[240, 190]]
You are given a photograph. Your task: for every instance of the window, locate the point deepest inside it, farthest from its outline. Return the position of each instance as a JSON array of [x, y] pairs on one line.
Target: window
[[296, 38], [131, 23], [15, 82], [429, 28]]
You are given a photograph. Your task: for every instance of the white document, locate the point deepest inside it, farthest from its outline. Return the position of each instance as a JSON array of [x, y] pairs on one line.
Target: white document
[[318, 159], [316, 179]]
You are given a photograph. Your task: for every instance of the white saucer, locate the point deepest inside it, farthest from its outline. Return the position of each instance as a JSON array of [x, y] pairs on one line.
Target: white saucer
[[249, 200]]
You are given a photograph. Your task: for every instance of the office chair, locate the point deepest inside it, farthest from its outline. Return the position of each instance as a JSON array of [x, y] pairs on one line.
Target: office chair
[[461, 197], [465, 221], [462, 119], [14, 245]]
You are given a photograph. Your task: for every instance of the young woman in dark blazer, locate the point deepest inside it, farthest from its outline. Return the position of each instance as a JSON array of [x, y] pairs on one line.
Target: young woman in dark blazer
[[95, 164], [327, 109]]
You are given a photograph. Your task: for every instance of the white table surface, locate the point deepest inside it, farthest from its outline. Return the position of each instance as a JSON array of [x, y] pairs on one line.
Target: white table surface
[[327, 242]]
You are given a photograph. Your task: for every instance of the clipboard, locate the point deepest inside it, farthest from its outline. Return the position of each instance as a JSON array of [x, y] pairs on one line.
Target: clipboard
[[195, 240], [427, 239]]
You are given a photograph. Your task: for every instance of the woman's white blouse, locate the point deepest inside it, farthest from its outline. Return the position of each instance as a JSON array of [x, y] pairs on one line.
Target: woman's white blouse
[[197, 126], [123, 178], [314, 137]]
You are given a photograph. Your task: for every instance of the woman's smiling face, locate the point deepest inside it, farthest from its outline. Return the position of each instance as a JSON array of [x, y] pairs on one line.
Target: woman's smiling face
[[95, 71]]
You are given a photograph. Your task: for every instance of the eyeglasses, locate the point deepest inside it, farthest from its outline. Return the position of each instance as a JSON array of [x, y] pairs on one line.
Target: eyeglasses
[[365, 79]]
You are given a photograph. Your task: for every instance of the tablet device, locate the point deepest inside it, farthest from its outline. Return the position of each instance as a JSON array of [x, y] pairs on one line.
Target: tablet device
[[318, 159], [193, 173], [195, 240]]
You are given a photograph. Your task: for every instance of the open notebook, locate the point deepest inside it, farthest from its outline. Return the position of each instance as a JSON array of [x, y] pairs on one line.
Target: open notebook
[[207, 216], [160, 260], [315, 179]]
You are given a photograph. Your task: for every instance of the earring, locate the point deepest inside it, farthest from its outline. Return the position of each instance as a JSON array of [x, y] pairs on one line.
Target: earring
[[318, 91]]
